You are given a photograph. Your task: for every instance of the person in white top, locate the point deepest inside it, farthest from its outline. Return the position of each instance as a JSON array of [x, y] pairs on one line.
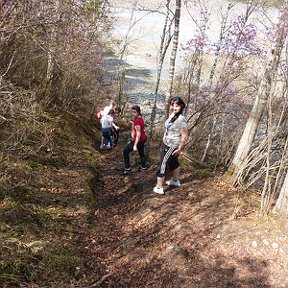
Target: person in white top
[[107, 124], [101, 114], [174, 141], [107, 109]]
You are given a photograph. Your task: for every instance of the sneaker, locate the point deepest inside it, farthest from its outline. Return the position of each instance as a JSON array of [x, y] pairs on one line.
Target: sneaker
[[102, 146], [158, 190], [108, 146], [142, 169], [127, 171], [173, 182]]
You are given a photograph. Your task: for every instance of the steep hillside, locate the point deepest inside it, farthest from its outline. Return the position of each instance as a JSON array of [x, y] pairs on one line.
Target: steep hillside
[[46, 204], [202, 234], [74, 220]]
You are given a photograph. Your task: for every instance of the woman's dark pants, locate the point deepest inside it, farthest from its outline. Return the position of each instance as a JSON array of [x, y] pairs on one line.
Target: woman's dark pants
[[129, 148]]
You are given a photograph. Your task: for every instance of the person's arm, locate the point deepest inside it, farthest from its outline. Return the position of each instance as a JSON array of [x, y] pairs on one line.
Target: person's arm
[[138, 135], [184, 137], [132, 131], [110, 119], [115, 126]]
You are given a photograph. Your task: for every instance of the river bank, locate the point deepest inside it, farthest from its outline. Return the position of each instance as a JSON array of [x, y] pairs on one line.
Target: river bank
[[142, 23]]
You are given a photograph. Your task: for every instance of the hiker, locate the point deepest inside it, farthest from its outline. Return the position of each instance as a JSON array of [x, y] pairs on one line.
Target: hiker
[[115, 128], [107, 124], [100, 114], [137, 143], [174, 141], [107, 108]]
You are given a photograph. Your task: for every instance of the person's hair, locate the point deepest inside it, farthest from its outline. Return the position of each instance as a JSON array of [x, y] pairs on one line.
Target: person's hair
[[179, 101], [112, 103], [117, 109], [137, 109], [111, 111]]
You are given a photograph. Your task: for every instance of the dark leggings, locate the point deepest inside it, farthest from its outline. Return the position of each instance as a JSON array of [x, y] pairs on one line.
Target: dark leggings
[[129, 148], [115, 134]]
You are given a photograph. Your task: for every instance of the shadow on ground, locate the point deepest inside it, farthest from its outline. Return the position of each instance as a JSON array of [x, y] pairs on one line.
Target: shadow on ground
[[169, 240]]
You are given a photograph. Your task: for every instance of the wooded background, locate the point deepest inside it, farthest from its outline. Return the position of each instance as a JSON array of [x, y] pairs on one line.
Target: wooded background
[[53, 73]]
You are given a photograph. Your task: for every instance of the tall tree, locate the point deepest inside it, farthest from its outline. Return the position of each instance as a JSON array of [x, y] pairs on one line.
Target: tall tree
[[264, 91], [50, 97], [281, 205], [127, 41], [173, 55], [164, 44]]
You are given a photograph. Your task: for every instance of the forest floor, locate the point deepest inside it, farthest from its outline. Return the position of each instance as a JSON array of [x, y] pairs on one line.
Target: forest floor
[[203, 234], [72, 219], [77, 222]]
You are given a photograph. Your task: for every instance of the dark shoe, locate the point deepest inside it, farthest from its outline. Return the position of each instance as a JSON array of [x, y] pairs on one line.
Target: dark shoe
[[127, 171]]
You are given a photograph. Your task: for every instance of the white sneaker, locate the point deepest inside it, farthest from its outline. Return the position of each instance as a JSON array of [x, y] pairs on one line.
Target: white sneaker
[[127, 171], [172, 182], [102, 146], [158, 190]]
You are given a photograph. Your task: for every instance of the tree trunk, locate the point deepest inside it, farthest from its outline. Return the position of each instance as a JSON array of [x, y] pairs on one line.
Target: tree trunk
[[209, 139], [173, 55], [49, 97], [222, 33], [126, 42], [249, 131], [264, 92], [164, 44], [282, 201], [163, 48]]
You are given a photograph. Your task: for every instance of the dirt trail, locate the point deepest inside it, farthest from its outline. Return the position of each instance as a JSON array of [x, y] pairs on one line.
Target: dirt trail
[[202, 234]]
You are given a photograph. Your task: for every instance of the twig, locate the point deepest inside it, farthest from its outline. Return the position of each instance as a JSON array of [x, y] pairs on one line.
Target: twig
[[99, 282], [9, 65], [239, 233], [192, 160], [3, 118]]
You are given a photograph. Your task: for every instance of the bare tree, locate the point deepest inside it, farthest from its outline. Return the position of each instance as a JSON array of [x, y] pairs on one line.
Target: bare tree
[[265, 92], [124, 45], [195, 66], [281, 205], [164, 44], [173, 55], [222, 34], [43, 57], [50, 97]]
